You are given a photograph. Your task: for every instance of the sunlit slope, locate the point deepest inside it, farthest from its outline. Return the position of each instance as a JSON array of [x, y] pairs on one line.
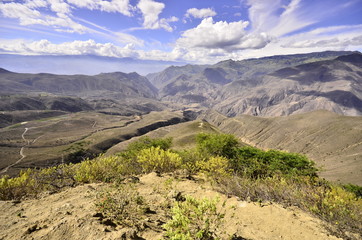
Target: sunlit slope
[[72, 137], [331, 140]]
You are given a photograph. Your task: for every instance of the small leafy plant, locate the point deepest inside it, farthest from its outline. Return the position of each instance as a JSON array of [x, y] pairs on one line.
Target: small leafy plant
[[122, 205], [194, 219]]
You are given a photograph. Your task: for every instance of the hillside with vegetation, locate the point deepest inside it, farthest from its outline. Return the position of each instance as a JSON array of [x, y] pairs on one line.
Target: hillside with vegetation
[[218, 189], [123, 156], [333, 141]]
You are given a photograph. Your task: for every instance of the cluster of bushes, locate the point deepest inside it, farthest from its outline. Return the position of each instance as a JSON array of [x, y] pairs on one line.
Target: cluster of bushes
[[244, 171]]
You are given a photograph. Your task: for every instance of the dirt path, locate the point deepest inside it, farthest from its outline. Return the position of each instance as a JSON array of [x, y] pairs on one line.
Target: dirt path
[[22, 155]]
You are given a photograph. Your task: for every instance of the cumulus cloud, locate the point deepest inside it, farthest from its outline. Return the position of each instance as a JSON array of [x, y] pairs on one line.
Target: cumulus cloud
[[200, 13], [222, 35], [151, 10], [68, 48], [60, 7]]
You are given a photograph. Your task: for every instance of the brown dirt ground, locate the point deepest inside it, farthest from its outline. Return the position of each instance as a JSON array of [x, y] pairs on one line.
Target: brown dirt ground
[[70, 214]]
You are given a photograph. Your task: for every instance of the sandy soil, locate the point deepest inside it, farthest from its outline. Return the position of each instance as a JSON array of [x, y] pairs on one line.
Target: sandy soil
[[70, 214]]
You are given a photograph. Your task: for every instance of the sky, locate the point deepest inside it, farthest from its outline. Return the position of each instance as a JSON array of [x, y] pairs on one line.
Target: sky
[[193, 31]]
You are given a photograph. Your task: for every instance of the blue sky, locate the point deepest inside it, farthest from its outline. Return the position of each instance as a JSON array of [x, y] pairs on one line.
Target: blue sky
[[195, 31]]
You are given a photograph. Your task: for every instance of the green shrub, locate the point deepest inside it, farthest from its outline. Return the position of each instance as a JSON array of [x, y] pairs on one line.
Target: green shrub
[[122, 205], [194, 219], [147, 142], [256, 163], [157, 159], [224, 145], [357, 190]]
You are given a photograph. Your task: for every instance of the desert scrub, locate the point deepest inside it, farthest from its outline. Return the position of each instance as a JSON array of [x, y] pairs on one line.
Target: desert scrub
[[18, 187], [194, 219], [327, 201], [55, 178], [216, 167], [103, 168], [143, 143], [190, 159], [122, 205], [157, 159], [338, 206]]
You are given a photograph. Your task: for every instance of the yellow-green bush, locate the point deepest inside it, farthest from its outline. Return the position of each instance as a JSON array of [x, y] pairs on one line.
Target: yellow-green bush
[[215, 166], [339, 206], [100, 169], [16, 188], [157, 159]]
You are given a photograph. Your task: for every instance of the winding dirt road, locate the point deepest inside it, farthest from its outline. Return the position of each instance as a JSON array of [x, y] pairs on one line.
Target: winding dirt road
[[22, 155]]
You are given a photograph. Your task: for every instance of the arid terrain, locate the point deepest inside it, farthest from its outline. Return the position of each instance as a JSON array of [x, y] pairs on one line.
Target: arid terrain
[[72, 137], [72, 215]]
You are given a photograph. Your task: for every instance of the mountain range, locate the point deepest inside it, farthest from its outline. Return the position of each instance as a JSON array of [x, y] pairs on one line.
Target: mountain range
[[250, 98], [272, 86], [80, 64]]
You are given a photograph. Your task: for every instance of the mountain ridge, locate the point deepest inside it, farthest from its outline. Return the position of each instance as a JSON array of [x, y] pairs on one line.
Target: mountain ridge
[[272, 86]]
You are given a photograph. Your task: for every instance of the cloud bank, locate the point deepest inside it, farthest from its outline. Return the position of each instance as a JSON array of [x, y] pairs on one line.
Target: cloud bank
[[267, 27]]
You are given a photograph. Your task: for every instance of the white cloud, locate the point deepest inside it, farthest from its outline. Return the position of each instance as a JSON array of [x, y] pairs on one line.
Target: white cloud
[[291, 20], [120, 6], [36, 3], [273, 17], [67, 48], [326, 42], [222, 35], [60, 7], [200, 13], [213, 35], [151, 10], [27, 15], [263, 14]]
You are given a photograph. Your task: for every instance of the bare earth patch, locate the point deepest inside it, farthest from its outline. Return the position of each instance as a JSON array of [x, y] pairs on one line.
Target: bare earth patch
[[71, 214]]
